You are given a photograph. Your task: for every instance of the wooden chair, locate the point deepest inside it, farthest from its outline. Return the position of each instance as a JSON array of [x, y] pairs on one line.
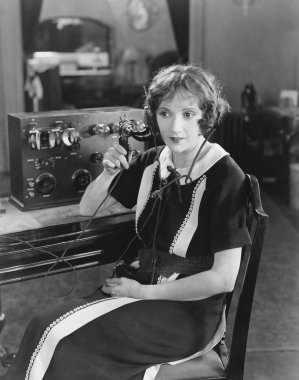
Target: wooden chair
[[222, 363]]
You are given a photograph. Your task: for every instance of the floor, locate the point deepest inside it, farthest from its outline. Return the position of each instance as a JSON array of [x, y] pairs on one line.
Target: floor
[[273, 343]]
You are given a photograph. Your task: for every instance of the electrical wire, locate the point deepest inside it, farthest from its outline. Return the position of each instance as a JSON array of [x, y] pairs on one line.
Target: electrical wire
[[37, 249], [61, 258], [157, 193], [155, 239], [188, 176]]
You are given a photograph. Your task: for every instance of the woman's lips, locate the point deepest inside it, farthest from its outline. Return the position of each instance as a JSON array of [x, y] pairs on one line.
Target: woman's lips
[[176, 139]]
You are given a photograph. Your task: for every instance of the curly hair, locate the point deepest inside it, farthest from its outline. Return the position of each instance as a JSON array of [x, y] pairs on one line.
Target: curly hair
[[197, 81]]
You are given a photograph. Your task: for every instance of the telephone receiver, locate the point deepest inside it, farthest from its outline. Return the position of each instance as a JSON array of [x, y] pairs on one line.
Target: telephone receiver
[[132, 128]]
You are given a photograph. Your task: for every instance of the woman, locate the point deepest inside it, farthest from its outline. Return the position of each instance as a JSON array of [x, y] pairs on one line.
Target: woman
[[190, 217]]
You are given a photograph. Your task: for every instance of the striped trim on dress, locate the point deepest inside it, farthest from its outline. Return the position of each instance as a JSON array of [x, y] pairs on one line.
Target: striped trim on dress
[[65, 325]]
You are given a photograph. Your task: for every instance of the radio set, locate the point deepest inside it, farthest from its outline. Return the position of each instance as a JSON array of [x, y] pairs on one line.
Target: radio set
[[54, 155]]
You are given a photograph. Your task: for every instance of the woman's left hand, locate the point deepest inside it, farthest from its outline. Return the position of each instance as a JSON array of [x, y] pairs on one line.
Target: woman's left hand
[[122, 287]]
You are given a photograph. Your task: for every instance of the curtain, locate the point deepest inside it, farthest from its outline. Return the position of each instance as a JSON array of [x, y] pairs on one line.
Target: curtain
[[179, 14], [49, 80], [30, 11]]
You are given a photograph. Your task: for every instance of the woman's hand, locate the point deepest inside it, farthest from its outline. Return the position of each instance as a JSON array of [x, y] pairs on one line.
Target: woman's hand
[[122, 287], [115, 158]]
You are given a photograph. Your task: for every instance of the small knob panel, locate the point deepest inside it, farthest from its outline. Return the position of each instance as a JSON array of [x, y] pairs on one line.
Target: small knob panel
[[44, 163]]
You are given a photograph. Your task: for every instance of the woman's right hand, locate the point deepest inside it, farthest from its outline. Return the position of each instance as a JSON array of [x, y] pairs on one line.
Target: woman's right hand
[[115, 158], [113, 161]]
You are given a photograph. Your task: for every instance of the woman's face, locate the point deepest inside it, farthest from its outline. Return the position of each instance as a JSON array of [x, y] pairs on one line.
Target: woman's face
[[178, 120]]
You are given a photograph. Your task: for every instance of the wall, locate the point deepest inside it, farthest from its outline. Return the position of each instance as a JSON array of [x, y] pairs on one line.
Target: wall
[[261, 47], [11, 76]]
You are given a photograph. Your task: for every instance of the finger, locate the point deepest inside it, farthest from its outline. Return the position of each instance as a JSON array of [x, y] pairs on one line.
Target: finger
[[130, 154], [113, 157], [112, 153], [106, 289], [113, 281], [115, 291], [117, 158], [108, 164], [120, 149], [123, 161]]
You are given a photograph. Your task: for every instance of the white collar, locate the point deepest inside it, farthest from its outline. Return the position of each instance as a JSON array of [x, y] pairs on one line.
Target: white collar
[[210, 154]]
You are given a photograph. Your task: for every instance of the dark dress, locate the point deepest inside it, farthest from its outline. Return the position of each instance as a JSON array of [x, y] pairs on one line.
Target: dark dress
[[121, 338]]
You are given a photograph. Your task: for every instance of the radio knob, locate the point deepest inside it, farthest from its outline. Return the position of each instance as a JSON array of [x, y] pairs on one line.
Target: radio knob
[[134, 154], [81, 179], [58, 124], [45, 183], [114, 127], [73, 148], [99, 129], [96, 158], [34, 139], [57, 133], [70, 136]]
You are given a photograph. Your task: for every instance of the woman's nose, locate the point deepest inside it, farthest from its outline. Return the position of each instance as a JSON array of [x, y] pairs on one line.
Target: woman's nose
[[176, 125]]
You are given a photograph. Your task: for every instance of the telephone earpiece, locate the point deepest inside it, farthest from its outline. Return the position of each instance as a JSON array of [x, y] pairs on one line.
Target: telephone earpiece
[[128, 128]]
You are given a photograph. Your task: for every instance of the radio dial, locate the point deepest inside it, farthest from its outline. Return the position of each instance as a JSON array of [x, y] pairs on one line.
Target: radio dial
[[45, 183], [81, 179], [70, 136]]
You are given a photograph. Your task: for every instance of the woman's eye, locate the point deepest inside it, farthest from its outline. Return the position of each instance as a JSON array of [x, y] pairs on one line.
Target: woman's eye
[[188, 115], [163, 113]]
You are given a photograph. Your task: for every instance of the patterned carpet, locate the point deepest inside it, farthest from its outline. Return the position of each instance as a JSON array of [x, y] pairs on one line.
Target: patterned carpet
[[21, 300]]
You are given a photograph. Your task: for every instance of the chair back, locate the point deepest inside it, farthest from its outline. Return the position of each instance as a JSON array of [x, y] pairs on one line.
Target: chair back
[[241, 299], [223, 365]]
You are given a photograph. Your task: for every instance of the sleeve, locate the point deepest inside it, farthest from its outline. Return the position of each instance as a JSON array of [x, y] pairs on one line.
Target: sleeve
[[227, 206], [125, 186]]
